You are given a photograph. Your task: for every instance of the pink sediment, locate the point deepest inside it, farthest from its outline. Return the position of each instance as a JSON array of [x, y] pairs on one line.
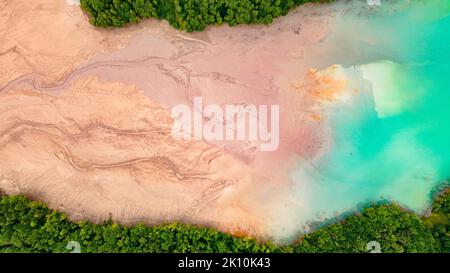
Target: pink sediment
[[95, 141]]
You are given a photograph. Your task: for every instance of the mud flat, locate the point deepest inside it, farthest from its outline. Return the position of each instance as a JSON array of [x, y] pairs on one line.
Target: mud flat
[[85, 115]]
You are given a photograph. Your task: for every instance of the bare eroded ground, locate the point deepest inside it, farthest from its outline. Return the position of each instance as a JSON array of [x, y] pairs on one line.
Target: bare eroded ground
[[85, 115]]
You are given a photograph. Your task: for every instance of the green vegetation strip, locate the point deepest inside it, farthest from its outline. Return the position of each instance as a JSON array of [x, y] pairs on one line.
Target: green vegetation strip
[[30, 226], [189, 15]]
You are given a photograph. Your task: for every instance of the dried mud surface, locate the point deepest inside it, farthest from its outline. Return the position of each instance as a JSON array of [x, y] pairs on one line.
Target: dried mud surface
[[85, 115]]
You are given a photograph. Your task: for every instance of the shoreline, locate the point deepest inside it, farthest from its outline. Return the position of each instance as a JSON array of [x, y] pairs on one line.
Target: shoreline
[[266, 244]]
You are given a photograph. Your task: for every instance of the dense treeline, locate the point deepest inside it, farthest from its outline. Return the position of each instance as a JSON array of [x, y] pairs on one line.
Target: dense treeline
[[29, 226], [394, 230], [439, 223], [189, 15]]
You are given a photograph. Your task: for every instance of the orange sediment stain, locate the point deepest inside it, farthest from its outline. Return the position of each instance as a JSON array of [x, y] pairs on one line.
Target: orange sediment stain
[[323, 85], [239, 233], [316, 117]]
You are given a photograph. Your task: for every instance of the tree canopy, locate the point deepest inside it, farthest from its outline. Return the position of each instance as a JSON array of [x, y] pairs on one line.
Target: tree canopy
[[189, 15], [30, 226], [395, 230]]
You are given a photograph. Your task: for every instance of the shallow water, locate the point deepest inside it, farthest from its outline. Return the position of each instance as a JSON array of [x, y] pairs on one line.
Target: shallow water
[[390, 140]]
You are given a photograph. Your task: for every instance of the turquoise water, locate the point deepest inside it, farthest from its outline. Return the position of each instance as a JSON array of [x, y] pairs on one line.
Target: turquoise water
[[392, 141]]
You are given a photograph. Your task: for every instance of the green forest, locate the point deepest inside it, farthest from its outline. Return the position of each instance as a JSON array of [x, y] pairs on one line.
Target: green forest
[[188, 15], [30, 226]]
